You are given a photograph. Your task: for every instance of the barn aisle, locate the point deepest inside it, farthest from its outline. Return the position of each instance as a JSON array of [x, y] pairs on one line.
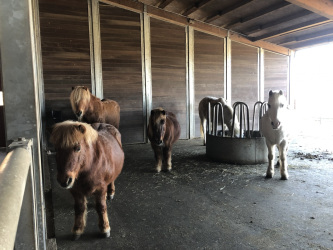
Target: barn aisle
[[203, 204]]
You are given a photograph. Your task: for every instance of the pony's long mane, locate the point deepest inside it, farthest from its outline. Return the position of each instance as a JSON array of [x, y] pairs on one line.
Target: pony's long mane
[[68, 133], [79, 93]]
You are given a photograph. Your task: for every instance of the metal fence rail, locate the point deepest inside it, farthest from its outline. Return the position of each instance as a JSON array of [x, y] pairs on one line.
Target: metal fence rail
[[16, 194]]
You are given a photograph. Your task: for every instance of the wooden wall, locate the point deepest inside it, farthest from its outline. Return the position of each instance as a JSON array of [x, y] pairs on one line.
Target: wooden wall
[[122, 69], [168, 68], [276, 73], [65, 51], [208, 70], [244, 75]]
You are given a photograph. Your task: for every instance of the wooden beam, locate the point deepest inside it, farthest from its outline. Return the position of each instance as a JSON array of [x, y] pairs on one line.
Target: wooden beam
[[257, 14], [226, 11], [257, 28], [166, 16], [261, 44], [321, 7], [209, 29], [125, 4], [302, 38], [311, 43], [294, 28], [164, 3], [196, 6]]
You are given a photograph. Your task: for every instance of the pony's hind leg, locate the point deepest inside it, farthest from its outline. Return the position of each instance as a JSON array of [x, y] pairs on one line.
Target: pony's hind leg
[[80, 208], [167, 158], [283, 160], [101, 208], [271, 153], [111, 191]]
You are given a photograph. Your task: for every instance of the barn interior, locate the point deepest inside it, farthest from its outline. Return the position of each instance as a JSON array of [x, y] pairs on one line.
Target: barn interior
[[165, 53]]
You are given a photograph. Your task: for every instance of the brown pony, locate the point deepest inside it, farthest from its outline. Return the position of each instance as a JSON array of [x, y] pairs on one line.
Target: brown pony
[[163, 132], [88, 108], [89, 159]]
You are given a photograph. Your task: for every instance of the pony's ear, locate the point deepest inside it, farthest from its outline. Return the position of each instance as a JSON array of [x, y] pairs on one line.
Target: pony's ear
[[85, 88], [163, 112], [81, 128], [152, 112], [270, 93], [281, 92], [73, 88]]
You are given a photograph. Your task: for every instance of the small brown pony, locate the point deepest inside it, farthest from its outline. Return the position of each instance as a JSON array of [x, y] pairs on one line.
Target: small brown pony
[[163, 132], [89, 159], [88, 108]]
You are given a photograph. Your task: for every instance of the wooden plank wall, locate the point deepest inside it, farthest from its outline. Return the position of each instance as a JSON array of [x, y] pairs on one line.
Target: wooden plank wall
[[244, 75], [168, 60], [208, 70], [122, 69], [65, 51], [276, 73]]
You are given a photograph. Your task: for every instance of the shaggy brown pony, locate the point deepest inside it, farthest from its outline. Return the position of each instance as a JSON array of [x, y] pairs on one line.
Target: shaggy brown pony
[[88, 108], [89, 159], [163, 132]]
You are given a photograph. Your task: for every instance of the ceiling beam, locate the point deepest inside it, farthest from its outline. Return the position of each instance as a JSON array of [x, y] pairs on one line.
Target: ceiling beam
[[321, 7], [257, 14], [196, 6], [226, 10], [294, 28], [302, 38], [164, 4], [276, 22], [311, 43]]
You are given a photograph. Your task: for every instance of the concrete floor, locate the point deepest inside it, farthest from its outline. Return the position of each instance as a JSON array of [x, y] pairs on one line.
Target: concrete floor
[[203, 204]]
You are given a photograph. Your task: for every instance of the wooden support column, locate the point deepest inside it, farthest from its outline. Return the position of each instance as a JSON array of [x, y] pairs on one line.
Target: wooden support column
[[261, 75], [190, 80], [227, 69]]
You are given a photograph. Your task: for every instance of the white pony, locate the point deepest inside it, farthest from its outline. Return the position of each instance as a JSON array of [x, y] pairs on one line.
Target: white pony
[[275, 129], [227, 114]]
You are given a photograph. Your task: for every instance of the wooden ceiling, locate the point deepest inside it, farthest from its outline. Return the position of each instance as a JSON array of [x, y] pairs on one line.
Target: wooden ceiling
[[294, 24]]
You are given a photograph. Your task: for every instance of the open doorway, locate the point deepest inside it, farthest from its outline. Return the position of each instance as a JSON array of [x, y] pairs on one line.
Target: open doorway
[[313, 94]]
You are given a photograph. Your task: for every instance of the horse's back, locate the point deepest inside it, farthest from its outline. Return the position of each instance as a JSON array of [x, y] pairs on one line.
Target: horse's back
[[203, 105], [112, 111], [174, 125]]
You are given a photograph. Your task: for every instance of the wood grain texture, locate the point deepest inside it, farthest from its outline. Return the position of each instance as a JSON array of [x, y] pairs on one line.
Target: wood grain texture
[[244, 75], [208, 70], [122, 70], [276, 73], [168, 60], [65, 51]]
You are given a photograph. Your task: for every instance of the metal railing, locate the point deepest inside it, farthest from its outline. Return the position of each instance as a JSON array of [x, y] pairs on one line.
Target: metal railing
[[17, 209]]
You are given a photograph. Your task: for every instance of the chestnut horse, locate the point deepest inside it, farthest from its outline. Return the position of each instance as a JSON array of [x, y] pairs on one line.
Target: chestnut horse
[[88, 108], [89, 159], [163, 132]]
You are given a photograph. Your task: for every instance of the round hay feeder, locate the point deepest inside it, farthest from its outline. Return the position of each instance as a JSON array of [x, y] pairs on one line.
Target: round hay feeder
[[246, 147]]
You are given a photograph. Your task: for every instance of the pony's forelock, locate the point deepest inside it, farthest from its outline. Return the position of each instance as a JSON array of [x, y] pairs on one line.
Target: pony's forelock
[[79, 93], [68, 133]]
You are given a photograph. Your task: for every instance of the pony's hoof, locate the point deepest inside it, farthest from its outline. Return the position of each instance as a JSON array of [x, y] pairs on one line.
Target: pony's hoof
[[106, 234], [169, 169], [284, 177], [110, 196], [75, 237], [158, 170], [269, 176]]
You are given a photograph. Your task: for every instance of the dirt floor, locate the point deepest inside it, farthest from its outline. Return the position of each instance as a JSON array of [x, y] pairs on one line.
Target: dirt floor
[[204, 204]]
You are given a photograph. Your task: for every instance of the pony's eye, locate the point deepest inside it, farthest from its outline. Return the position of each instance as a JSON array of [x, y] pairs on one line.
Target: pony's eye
[[281, 105], [162, 121], [269, 106], [77, 148]]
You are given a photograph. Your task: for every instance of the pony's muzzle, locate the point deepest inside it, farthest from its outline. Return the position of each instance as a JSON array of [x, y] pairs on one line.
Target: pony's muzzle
[[79, 113], [276, 125], [68, 183]]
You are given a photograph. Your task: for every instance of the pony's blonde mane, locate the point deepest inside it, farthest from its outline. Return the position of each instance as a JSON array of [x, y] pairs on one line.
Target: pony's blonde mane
[[79, 93], [68, 133]]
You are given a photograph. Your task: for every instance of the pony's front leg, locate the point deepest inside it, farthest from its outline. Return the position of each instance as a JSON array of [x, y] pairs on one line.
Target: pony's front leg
[[101, 208], [283, 147], [204, 130], [271, 153], [158, 157], [167, 157], [80, 207]]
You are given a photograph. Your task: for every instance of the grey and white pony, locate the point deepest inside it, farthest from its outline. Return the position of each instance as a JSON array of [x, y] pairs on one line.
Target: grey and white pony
[[276, 130], [227, 114]]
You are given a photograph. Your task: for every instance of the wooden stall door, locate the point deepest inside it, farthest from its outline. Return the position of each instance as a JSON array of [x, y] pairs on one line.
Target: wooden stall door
[[244, 75], [276, 73], [168, 66], [208, 70], [122, 70], [65, 46]]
